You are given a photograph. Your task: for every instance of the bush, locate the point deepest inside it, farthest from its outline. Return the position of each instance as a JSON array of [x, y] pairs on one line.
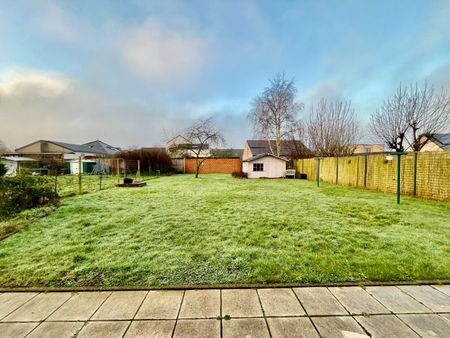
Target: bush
[[25, 192], [2, 170], [239, 174]]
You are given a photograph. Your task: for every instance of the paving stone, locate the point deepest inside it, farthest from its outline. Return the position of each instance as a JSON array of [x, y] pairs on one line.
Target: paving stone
[[443, 288], [104, 329], [396, 300], [56, 330], [319, 301], [342, 327], [10, 301], [385, 326], [430, 297], [241, 303], [198, 328], [80, 307], [160, 305], [280, 302], [445, 315], [16, 330], [39, 308], [201, 304], [358, 301], [291, 327], [120, 305], [151, 329], [246, 328], [428, 325]]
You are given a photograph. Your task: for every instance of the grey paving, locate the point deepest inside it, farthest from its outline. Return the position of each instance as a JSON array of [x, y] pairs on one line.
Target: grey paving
[[429, 296], [120, 305], [319, 301], [280, 302], [358, 301], [111, 329], [443, 288], [246, 328], [17, 330], [300, 327], [160, 305], [39, 308], [81, 306], [56, 330], [428, 325], [241, 303], [339, 327], [386, 326], [151, 329], [201, 304], [11, 301], [396, 300], [200, 328], [445, 315]]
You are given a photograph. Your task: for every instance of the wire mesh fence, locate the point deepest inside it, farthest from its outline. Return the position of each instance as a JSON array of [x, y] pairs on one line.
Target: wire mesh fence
[[425, 175]]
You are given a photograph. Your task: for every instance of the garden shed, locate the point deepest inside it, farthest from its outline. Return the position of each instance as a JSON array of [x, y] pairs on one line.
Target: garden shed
[[264, 166], [14, 164]]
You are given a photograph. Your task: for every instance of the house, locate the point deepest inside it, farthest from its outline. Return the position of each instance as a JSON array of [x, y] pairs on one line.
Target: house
[[437, 142], [14, 164], [290, 149], [264, 166], [180, 146], [365, 148], [224, 153], [102, 148]]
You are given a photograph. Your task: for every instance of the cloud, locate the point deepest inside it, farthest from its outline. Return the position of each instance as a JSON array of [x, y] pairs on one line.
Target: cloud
[[164, 55]]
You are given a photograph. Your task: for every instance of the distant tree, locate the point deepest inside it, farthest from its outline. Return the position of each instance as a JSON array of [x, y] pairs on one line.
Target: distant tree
[[202, 134], [274, 112], [332, 128]]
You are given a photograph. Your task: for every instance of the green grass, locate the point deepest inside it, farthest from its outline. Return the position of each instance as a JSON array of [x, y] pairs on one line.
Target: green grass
[[214, 230]]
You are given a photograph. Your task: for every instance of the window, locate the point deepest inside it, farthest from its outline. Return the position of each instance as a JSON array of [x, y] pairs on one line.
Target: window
[[258, 166]]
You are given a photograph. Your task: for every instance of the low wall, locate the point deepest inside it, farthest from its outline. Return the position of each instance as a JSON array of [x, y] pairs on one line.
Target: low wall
[[213, 165]]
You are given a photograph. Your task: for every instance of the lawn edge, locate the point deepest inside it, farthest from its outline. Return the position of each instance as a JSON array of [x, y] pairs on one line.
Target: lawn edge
[[221, 286]]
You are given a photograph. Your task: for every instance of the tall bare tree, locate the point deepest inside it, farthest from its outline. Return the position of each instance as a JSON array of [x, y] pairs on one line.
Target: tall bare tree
[[203, 135], [274, 112], [332, 128]]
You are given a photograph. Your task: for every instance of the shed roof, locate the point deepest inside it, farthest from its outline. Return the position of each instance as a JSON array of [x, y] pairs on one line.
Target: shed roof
[[288, 147]]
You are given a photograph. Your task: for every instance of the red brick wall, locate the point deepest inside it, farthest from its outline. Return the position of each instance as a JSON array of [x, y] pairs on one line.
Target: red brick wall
[[214, 165]]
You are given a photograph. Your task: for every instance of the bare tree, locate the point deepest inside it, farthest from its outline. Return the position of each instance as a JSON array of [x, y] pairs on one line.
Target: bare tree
[[274, 112], [202, 134], [332, 128]]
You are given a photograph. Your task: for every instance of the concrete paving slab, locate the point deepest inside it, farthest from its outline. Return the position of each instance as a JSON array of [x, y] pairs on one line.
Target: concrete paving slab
[[201, 304], [338, 327], [160, 305], [241, 303], [430, 297], [199, 328], [81, 306], [104, 329], [319, 301], [280, 302], [299, 327], [151, 329], [386, 326], [443, 288], [120, 305], [39, 308], [10, 301], [358, 301], [445, 315], [56, 330], [16, 330], [396, 300], [245, 328], [428, 325]]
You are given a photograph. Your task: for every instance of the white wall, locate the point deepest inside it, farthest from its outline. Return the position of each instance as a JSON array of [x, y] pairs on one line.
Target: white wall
[[273, 168]]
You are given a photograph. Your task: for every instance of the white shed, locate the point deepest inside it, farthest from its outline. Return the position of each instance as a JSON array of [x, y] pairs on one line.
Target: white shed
[[264, 166], [13, 164]]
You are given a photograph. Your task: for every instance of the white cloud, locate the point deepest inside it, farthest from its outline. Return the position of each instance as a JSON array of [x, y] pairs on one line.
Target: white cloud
[[164, 55]]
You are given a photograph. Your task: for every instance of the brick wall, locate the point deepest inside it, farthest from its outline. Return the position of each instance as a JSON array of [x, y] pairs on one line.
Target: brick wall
[[214, 165]]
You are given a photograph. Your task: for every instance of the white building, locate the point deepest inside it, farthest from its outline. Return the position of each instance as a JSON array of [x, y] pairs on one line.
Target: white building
[[264, 166], [14, 164]]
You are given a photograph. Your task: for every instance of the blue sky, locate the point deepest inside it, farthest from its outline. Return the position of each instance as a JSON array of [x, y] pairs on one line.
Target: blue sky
[[133, 73]]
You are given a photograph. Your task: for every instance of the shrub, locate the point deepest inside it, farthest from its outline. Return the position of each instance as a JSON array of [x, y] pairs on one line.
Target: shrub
[[2, 170], [25, 192], [239, 174]]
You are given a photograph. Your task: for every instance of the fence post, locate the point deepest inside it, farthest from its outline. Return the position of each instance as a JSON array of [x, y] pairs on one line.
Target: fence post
[[337, 169], [56, 182], [398, 177], [318, 171], [303, 166], [415, 174], [80, 168], [357, 172], [118, 170], [138, 173], [365, 171]]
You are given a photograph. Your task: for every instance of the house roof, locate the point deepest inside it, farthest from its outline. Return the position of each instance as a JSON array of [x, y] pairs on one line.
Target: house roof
[[97, 147], [18, 159], [442, 139], [100, 147], [230, 152], [257, 157], [288, 147]]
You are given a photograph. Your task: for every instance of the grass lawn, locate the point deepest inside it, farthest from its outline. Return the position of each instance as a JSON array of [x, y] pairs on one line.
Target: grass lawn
[[216, 229]]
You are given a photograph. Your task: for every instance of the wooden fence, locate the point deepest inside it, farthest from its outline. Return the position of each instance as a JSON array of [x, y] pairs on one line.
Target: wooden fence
[[425, 175]]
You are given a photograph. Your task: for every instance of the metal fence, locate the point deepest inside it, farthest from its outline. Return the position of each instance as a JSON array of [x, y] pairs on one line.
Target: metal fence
[[425, 175]]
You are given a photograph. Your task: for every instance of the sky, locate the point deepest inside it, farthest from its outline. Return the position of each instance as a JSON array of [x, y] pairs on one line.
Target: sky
[[133, 73]]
